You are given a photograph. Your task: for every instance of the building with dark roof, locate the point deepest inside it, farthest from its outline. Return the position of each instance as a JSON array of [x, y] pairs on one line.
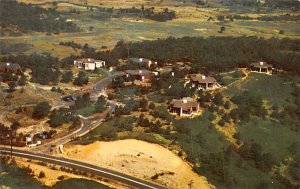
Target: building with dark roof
[[7, 67], [203, 82], [184, 107], [88, 63], [142, 62], [261, 67], [140, 75]]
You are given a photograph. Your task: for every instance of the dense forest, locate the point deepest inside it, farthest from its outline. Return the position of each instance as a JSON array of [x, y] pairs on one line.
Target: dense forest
[[213, 54], [32, 18], [286, 4]]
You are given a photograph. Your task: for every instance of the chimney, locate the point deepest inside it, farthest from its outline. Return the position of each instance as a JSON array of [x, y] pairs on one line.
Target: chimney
[[261, 63], [140, 71], [89, 59], [184, 100], [203, 77], [141, 59]]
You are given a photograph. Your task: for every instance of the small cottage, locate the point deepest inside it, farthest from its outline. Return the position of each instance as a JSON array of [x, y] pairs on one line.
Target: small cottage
[[184, 107], [88, 63]]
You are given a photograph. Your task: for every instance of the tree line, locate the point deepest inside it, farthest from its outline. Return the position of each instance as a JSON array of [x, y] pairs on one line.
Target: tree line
[[33, 18]]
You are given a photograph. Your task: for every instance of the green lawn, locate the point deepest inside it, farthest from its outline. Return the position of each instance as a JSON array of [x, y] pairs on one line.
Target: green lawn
[[274, 138], [87, 111], [272, 88]]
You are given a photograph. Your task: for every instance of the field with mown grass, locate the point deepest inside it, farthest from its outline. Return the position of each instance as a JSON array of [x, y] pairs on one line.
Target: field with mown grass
[[190, 21]]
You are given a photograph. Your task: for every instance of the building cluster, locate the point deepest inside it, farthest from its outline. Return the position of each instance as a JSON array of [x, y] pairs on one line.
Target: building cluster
[[182, 107], [89, 63]]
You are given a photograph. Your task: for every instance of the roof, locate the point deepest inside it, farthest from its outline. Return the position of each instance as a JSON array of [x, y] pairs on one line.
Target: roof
[[202, 78], [10, 65], [139, 60], [87, 60], [184, 103], [138, 72], [261, 65]]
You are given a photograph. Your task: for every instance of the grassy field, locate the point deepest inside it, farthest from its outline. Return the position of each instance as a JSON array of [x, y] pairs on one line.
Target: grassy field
[[273, 89], [190, 21]]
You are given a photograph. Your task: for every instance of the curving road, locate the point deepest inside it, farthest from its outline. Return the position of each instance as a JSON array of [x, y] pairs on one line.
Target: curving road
[[88, 124], [103, 172]]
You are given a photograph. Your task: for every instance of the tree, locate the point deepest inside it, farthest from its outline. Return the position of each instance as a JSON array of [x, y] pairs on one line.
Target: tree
[[67, 77], [100, 104], [221, 122], [22, 80], [218, 99], [12, 85], [42, 174], [227, 105], [81, 79], [221, 18], [222, 29], [152, 106], [144, 104], [41, 110]]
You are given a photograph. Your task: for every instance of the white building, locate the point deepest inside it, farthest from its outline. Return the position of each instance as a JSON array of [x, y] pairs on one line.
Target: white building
[[89, 63]]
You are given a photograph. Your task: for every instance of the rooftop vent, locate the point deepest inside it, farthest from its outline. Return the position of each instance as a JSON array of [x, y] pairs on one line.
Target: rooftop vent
[[203, 76], [261, 63], [184, 100]]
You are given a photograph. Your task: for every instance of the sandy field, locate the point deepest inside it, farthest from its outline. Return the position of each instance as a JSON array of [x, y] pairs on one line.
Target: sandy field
[[139, 159]]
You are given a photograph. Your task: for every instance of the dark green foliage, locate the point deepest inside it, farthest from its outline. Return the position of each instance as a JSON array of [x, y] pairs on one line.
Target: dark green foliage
[[263, 161], [42, 174], [41, 110], [67, 77], [162, 16], [218, 99], [71, 44], [22, 80], [44, 67], [12, 85], [247, 105], [222, 122], [144, 104], [152, 106], [100, 104], [227, 105], [282, 53], [60, 116], [177, 90], [294, 169], [82, 101], [81, 79], [33, 18], [122, 111]]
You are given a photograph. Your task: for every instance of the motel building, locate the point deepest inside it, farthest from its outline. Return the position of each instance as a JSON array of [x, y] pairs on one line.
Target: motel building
[[184, 107], [261, 67]]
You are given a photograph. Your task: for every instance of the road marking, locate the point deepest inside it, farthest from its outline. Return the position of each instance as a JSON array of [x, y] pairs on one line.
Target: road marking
[[83, 166]]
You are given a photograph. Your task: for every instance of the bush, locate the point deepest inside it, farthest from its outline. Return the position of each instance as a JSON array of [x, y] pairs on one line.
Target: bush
[[41, 110], [221, 122], [42, 174]]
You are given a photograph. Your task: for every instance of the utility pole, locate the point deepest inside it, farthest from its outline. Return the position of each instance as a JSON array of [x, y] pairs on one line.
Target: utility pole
[[190, 184], [10, 135]]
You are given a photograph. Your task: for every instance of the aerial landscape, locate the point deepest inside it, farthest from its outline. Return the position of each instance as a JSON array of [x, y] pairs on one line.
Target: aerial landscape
[[149, 94]]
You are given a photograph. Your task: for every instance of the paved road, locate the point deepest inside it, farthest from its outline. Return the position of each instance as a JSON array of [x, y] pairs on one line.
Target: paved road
[[88, 124], [103, 172]]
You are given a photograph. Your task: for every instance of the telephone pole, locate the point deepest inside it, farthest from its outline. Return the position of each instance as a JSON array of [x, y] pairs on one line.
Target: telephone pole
[[10, 136]]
